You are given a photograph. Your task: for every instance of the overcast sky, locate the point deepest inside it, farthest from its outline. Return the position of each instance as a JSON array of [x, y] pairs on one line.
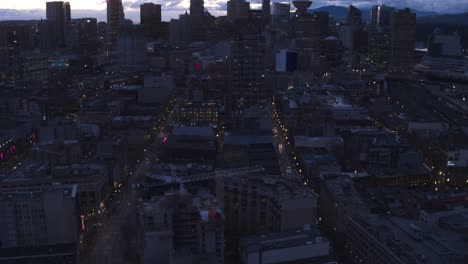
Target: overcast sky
[[34, 9]]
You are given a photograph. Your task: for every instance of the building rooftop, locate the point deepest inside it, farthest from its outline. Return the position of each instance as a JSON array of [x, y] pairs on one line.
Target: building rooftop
[[282, 240], [201, 198], [40, 254], [126, 88], [12, 129], [29, 170], [247, 140], [301, 141], [282, 188], [68, 191], [456, 222], [339, 111], [133, 118], [342, 188], [319, 158], [196, 131], [412, 242]]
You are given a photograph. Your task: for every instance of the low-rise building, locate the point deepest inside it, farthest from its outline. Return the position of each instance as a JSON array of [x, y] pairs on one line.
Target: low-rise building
[[39, 225], [307, 245], [339, 199], [199, 113], [181, 225], [192, 144], [257, 202], [381, 239], [91, 181], [58, 153], [250, 150]]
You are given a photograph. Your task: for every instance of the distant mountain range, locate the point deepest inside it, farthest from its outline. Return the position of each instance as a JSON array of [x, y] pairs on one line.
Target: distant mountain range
[[452, 19], [12, 14], [425, 17], [338, 12]]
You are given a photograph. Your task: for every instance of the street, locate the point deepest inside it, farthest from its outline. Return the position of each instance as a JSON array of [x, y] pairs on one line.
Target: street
[[282, 142], [109, 243]]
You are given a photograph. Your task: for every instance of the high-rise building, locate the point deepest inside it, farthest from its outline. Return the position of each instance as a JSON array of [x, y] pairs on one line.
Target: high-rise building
[[286, 60], [379, 43], [102, 32], [5, 57], [59, 88], [31, 68], [47, 37], [180, 30], [332, 51], [58, 14], [131, 49], [55, 11], [238, 9], [190, 27], [115, 20], [374, 15], [199, 26], [280, 13], [14, 39], [83, 35], [402, 40], [380, 17], [150, 19], [199, 21], [308, 36], [150, 14], [346, 36], [266, 12], [323, 19], [307, 26], [218, 82], [67, 10], [354, 17], [197, 7], [281, 9], [248, 69]]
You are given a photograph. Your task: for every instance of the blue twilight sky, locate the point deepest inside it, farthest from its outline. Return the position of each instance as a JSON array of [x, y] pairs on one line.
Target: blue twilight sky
[[34, 9]]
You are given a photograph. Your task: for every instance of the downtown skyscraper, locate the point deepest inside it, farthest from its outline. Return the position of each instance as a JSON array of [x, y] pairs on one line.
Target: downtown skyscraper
[[197, 7], [58, 15], [150, 19], [115, 19], [402, 40]]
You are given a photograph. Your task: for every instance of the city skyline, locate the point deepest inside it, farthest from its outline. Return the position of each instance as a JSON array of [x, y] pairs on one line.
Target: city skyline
[[238, 132], [33, 9]]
